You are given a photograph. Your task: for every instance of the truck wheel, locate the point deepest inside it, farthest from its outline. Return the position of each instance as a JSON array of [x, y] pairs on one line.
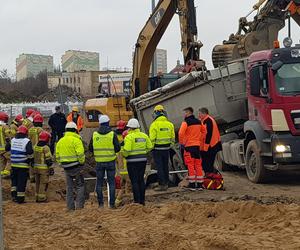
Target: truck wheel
[[255, 169], [178, 165]]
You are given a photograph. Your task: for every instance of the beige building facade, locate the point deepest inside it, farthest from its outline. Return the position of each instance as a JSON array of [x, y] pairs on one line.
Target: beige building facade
[[30, 65], [76, 60]]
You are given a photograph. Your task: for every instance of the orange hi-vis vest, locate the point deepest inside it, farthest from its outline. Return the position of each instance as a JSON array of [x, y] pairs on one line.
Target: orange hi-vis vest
[[212, 131]]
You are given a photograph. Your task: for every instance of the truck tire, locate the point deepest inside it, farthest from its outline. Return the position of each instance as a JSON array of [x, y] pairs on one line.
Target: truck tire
[[255, 169]]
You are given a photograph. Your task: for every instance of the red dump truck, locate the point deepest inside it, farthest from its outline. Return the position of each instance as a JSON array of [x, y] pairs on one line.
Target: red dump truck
[[256, 103]]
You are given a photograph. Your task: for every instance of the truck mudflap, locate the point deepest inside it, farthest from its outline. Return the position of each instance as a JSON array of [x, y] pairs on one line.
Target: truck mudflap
[[286, 149]]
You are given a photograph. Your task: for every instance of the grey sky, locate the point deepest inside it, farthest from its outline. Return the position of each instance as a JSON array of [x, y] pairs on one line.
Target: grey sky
[[109, 27]]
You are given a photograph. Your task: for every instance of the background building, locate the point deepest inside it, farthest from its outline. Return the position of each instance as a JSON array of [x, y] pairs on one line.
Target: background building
[[161, 62], [115, 82], [30, 65], [76, 60], [87, 83]]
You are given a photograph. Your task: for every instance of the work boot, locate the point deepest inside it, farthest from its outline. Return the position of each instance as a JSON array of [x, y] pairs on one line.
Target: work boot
[[191, 186], [161, 188], [112, 207], [198, 186]]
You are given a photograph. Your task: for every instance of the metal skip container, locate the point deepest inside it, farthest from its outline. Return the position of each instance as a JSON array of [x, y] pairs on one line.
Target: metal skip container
[[222, 91]]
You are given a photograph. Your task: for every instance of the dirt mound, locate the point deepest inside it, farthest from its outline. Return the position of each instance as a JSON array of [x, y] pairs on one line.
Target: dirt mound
[[179, 225], [54, 94]]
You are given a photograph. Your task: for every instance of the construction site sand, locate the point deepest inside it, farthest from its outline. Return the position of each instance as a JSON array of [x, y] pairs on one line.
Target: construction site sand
[[178, 225]]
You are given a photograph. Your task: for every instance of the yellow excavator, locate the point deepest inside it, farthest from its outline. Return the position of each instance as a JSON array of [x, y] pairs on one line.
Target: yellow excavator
[[116, 106]]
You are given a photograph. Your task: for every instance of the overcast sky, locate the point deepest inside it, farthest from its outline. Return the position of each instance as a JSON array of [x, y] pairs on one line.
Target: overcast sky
[[109, 27]]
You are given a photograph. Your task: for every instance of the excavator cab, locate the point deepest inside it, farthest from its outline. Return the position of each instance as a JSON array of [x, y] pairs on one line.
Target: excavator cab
[[115, 107]]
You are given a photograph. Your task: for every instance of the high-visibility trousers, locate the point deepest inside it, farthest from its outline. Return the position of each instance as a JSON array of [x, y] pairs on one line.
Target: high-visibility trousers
[[193, 162], [41, 184]]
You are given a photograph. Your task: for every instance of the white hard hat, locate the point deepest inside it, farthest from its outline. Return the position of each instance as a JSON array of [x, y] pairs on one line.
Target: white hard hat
[[71, 125], [133, 123], [103, 119]]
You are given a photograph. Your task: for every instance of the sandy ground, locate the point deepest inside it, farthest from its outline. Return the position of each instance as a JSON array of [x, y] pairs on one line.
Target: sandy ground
[[245, 216]]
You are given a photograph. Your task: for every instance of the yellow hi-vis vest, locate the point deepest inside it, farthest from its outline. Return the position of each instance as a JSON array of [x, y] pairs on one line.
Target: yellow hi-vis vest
[[162, 133], [104, 150], [41, 154], [137, 145]]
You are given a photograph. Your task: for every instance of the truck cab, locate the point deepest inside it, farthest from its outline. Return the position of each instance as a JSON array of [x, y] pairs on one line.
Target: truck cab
[[272, 133]]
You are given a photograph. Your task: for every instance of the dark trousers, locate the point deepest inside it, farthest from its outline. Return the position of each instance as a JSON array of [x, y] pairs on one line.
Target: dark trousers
[[19, 178], [55, 136], [208, 159], [136, 172], [161, 160], [110, 169], [75, 182]]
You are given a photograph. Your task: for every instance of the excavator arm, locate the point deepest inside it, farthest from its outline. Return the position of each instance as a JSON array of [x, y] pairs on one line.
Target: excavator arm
[[258, 34], [152, 33]]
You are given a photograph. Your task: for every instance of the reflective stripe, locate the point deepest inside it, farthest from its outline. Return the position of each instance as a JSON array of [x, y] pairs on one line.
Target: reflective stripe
[[136, 150], [68, 165], [104, 149], [162, 148], [137, 160], [40, 166], [104, 156], [210, 183], [164, 140], [123, 172], [13, 189], [21, 194], [19, 165]]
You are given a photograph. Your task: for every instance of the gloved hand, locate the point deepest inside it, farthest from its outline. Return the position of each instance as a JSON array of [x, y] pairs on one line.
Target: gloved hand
[[51, 171]]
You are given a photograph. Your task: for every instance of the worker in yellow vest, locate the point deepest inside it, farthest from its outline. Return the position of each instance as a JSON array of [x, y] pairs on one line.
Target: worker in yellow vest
[[162, 135], [4, 140], [104, 145], [70, 154], [42, 166], [33, 135], [136, 147]]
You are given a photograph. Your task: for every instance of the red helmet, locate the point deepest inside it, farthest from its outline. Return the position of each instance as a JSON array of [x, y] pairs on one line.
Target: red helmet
[[121, 124], [38, 118], [23, 130], [44, 136], [124, 134], [3, 117], [29, 112], [19, 118]]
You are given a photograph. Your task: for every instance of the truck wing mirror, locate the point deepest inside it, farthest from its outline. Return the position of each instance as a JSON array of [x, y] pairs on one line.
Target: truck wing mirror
[[276, 66]]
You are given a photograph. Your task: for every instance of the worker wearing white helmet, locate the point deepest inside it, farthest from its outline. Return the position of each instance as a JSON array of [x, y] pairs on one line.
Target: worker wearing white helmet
[[70, 154], [136, 147], [105, 145]]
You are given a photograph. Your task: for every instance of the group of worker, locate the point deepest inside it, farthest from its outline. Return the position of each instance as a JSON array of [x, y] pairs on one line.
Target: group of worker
[[24, 152], [122, 153]]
